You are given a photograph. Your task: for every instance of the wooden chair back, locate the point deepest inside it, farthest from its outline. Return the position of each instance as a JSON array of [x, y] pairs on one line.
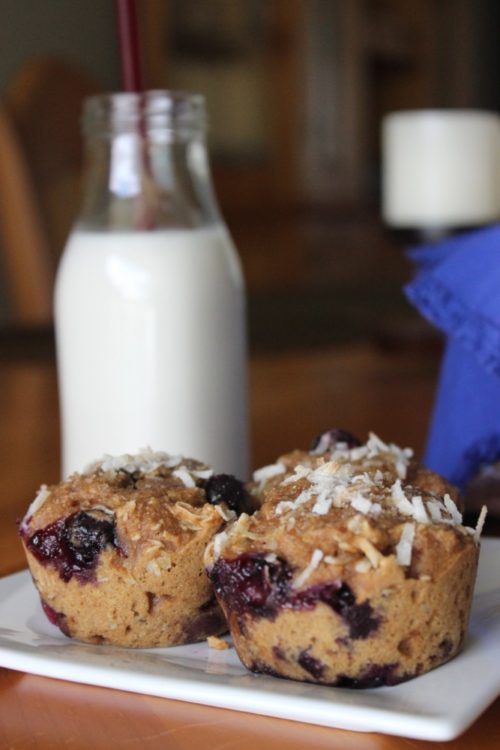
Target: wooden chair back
[[40, 170]]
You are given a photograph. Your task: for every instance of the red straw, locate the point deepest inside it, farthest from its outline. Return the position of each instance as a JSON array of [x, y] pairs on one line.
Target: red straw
[[129, 45]]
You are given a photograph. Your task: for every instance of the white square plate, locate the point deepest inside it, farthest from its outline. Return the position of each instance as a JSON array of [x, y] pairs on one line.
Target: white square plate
[[437, 706]]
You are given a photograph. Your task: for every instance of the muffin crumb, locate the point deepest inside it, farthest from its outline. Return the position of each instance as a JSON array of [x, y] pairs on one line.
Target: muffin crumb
[[219, 644]]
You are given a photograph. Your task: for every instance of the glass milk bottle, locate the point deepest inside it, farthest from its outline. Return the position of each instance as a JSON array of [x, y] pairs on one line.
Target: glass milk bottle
[[149, 297]]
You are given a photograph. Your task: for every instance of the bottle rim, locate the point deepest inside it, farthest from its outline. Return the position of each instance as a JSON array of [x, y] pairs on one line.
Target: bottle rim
[[183, 112]]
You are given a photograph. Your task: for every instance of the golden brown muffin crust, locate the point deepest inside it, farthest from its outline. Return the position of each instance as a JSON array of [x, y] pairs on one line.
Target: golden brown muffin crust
[[147, 585]]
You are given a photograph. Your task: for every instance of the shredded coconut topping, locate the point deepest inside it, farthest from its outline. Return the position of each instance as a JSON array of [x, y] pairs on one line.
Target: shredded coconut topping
[[184, 476], [316, 558], [362, 504], [363, 565], [369, 550], [284, 505], [202, 473], [370, 481], [322, 504], [349, 479], [338, 482], [419, 511], [268, 472], [434, 509], [225, 513], [452, 509], [300, 472], [103, 509], [218, 543], [404, 547], [40, 498], [403, 505], [430, 510], [374, 448], [146, 461], [359, 478], [480, 523]]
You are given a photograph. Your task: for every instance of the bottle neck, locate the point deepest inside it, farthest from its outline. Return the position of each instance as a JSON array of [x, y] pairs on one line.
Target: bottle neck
[[146, 165]]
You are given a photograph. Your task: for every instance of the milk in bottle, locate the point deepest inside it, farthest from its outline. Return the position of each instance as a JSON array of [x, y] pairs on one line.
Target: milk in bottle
[[149, 300]]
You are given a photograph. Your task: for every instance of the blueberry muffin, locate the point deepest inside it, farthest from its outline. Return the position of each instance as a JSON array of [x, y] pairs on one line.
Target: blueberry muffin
[[337, 441], [356, 570], [116, 552]]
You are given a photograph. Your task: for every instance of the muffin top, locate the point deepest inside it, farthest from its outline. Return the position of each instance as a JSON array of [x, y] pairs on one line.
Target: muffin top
[[342, 447], [150, 508], [346, 507]]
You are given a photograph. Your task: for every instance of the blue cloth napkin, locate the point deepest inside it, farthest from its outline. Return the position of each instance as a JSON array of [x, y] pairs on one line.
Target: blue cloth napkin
[[457, 288]]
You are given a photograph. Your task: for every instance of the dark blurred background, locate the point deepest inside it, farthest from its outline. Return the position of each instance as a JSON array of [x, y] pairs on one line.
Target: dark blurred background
[[296, 90]]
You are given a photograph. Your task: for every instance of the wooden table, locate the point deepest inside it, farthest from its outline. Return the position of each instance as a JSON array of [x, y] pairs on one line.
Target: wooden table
[[294, 395]]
